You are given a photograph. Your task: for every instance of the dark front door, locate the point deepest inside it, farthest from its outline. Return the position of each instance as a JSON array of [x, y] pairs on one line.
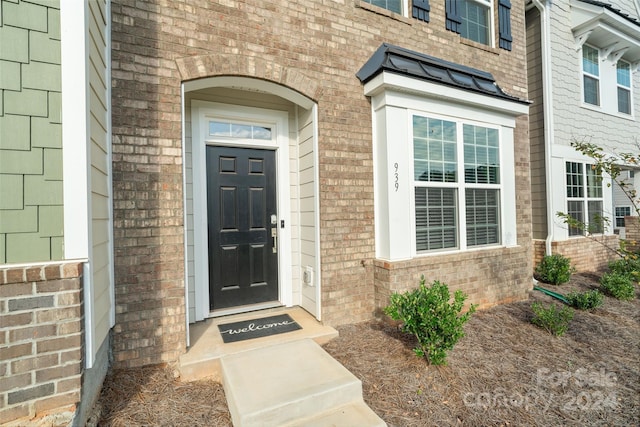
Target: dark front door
[[241, 202]]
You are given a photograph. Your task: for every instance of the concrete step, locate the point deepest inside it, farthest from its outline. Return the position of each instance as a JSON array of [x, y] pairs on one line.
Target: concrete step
[[203, 357], [351, 415], [289, 382]]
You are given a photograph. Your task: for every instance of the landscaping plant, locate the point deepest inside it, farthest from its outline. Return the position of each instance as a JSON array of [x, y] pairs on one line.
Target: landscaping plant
[[629, 265], [554, 269], [610, 164], [585, 300], [551, 318], [428, 313], [618, 285]]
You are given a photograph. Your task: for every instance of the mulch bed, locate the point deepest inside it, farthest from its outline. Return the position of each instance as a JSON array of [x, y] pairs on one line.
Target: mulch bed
[[154, 396], [504, 372]]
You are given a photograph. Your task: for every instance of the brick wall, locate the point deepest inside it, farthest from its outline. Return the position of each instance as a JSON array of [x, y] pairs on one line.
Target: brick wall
[[40, 339], [489, 277], [287, 42], [632, 232], [585, 254]]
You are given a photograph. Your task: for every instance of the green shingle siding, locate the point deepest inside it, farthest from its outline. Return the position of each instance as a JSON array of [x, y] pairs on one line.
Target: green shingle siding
[[40, 75], [14, 132], [43, 48], [10, 76], [31, 211], [22, 162], [55, 107], [25, 15], [14, 44], [45, 134], [39, 191], [26, 102], [50, 221], [11, 188], [26, 247], [19, 221]]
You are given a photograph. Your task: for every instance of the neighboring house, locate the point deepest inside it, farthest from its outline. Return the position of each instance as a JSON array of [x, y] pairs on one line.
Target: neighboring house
[[321, 154], [583, 58], [56, 274], [625, 202]]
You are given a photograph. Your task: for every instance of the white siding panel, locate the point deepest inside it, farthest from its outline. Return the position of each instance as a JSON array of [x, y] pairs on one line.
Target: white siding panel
[[307, 202], [99, 184], [98, 135], [101, 256]]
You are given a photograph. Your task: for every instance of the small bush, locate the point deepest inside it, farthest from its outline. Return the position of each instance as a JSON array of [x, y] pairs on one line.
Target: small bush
[[618, 285], [629, 266], [586, 300], [553, 320], [554, 269], [428, 314]]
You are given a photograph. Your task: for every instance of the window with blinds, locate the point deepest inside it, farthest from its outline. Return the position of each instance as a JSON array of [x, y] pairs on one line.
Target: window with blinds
[[456, 184]]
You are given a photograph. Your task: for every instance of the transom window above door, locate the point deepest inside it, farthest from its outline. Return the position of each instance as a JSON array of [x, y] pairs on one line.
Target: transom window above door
[[229, 129]]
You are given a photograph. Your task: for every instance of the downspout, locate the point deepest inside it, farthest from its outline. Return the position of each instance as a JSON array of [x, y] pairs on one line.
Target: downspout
[[547, 101]]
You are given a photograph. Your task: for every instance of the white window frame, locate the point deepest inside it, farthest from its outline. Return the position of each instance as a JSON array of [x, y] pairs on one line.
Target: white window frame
[[616, 216], [585, 199], [393, 100], [404, 7], [488, 4], [592, 76], [459, 185], [627, 88]]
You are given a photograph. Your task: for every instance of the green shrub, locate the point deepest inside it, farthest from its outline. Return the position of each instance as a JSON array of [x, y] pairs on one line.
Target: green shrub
[[555, 269], [629, 266], [585, 300], [618, 285], [428, 314], [551, 318]]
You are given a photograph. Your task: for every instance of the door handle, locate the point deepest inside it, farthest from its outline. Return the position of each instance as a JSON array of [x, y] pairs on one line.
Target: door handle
[[274, 235]]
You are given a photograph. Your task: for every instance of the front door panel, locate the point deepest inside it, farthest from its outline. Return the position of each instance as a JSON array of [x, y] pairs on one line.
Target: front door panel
[[241, 199]]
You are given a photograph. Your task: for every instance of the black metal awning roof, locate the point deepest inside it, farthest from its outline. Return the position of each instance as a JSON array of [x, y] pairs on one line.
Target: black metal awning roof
[[405, 62]]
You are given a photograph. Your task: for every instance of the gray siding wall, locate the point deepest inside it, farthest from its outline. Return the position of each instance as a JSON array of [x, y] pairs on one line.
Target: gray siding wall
[[536, 125]]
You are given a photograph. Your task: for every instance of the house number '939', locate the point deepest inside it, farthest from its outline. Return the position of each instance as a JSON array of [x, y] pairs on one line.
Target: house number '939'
[[395, 176]]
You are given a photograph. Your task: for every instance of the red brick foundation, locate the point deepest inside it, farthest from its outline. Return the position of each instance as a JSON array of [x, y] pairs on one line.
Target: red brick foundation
[[586, 254], [41, 349]]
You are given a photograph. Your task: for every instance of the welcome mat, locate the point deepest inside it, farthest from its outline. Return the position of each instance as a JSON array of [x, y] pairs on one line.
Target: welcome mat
[[256, 328]]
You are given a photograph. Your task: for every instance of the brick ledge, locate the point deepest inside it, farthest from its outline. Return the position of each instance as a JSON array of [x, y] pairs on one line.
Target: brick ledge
[[37, 272]]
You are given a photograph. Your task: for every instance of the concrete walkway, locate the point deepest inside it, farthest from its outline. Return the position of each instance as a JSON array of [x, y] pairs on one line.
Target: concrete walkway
[[285, 380]]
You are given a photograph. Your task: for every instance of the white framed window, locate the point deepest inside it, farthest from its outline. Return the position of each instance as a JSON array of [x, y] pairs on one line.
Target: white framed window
[[621, 212], [456, 168], [444, 168], [584, 198], [623, 80], [476, 20], [239, 130], [418, 9], [590, 75], [397, 6]]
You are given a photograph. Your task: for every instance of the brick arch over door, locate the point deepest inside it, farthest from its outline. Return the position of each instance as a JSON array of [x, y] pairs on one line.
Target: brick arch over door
[[202, 66]]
